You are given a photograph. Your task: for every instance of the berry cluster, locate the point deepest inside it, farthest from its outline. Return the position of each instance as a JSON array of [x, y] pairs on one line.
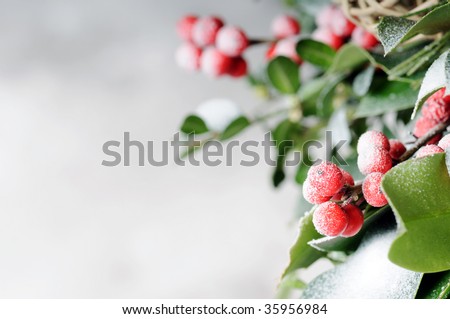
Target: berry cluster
[[376, 156], [335, 29], [211, 46], [434, 111], [285, 29], [334, 189], [327, 185]]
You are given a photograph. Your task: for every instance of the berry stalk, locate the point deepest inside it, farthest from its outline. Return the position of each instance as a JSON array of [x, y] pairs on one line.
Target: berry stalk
[[436, 130]]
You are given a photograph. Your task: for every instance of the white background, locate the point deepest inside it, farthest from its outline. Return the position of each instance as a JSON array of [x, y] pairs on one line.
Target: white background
[[74, 74]]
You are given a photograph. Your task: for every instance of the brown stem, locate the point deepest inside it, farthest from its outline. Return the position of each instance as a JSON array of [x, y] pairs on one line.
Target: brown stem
[[441, 127], [259, 41]]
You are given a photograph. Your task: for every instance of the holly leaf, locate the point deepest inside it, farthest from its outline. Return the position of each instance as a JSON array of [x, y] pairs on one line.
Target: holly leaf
[[366, 274], [435, 286], [194, 124], [349, 57], [387, 96], [235, 127], [363, 80], [418, 192], [284, 75], [437, 77], [302, 255], [316, 53], [394, 30]]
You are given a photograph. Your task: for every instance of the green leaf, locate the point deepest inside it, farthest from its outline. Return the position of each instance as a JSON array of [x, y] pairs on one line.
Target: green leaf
[[309, 93], [284, 75], [350, 57], [194, 124], [302, 255], [389, 96], [235, 127], [288, 285], [366, 274], [315, 52], [418, 191], [394, 30], [435, 286], [362, 82], [284, 135], [437, 77]]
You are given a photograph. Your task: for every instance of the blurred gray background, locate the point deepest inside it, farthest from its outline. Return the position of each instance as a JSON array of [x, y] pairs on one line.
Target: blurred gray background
[[74, 74]]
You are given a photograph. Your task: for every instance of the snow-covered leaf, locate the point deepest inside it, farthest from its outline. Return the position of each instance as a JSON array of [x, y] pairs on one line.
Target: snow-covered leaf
[[394, 30], [367, 273], [363, 80], [437, 77]]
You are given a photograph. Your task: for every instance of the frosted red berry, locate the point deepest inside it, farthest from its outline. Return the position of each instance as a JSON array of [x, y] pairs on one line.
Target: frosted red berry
[[348, 181], [287, 48], [372, 139], [188, 56], [185, 26], [238, 67], [327, 178], [329, 219], [231, 41], [428, 150], [214, 63], [363, 38], [372, 192], [397, 149], [325, 16], [340, 25], [437, 107], [313, 195], [444, 143], [374, 159], [348, 178], [355, 220], [326, 36], [285, 26], [205, 31]]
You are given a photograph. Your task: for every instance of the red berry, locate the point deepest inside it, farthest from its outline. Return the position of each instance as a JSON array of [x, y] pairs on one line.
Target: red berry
[[287, 48], [437, 107], [313, 195], [374, 159], [428, 150], [423, 125], [285, 26], [327, 178], [372, 139], [348, 178], [238, 67], [340, 25], [355, 220], [372, 190], [329, 219], [325, 16], [188, 56], [214, 63], [363, 38], [444, 143], [231, 41], [270, 53], [184, 27], [205, 31], [326, 36], [396, 149]]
